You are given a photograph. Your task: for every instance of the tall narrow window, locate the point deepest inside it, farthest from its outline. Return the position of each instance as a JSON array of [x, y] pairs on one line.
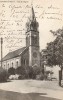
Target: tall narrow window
[[24, 61], [8, 65], [12, 64], [4, 66], [17, 64]]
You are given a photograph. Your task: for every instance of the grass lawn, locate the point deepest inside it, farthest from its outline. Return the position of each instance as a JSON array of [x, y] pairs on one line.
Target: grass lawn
[[7, 95]]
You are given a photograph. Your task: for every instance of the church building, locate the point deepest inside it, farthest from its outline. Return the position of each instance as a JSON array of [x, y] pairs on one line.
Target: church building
[[29, 55]]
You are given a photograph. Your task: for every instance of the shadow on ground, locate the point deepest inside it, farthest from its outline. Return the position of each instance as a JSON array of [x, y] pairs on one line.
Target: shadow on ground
[[5, 81], [8, 95]]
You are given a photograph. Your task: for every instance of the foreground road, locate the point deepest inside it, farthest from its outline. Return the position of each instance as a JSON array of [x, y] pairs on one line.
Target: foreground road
[[31, 90], [6, 95]]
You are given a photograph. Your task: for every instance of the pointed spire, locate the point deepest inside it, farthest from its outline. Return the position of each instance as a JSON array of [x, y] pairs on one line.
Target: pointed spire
[[32, 15], [32, 24]]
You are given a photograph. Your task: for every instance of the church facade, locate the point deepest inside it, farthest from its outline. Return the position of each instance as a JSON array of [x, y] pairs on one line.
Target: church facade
[[29, 55]]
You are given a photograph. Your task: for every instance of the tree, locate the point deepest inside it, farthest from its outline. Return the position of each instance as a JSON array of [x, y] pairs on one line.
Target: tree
[[58, 46], [59, 50], [54, 50], [51, 57], [3, 75]]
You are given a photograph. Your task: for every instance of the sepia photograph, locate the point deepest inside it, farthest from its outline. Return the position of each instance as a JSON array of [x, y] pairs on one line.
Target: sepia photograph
[[31, 49]]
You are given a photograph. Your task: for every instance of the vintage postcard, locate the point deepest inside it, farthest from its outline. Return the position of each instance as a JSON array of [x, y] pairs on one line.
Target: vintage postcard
[[31, 49]]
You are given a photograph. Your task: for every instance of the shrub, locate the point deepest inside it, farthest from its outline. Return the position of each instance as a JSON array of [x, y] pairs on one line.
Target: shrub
[[36, 71], [3, 75], [30, 71], [11, 71], [21, 77], [33, 71], [20, 70], [40, 76]]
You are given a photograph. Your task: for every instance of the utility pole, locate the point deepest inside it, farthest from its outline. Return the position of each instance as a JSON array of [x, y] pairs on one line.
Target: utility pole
[[1, 50]]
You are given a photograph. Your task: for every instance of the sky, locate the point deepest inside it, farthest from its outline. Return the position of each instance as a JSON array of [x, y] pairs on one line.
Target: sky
[[14, 15]]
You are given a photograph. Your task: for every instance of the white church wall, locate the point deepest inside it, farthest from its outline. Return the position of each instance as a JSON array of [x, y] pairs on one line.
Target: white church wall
[[14, 62], [18, 59]]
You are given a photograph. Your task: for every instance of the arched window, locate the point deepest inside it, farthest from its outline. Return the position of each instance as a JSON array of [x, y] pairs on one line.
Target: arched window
[[17, 64], [12, 64], [4, 66], [24, 61], [8, 65]]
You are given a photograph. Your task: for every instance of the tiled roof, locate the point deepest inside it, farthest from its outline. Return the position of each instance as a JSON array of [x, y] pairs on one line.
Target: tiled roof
[[14, 54]]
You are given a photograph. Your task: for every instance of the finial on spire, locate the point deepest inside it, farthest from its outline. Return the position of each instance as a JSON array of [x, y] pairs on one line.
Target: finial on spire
[[31, 3]]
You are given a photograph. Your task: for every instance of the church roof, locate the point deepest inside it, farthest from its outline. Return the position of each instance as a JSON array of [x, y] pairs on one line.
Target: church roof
[[14, 54]]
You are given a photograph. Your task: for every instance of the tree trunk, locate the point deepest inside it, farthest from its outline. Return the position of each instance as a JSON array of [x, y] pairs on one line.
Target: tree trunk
[[60, 76]]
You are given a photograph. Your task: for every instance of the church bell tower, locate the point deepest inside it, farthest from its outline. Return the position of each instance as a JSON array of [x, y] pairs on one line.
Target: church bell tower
[[32, 40]]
